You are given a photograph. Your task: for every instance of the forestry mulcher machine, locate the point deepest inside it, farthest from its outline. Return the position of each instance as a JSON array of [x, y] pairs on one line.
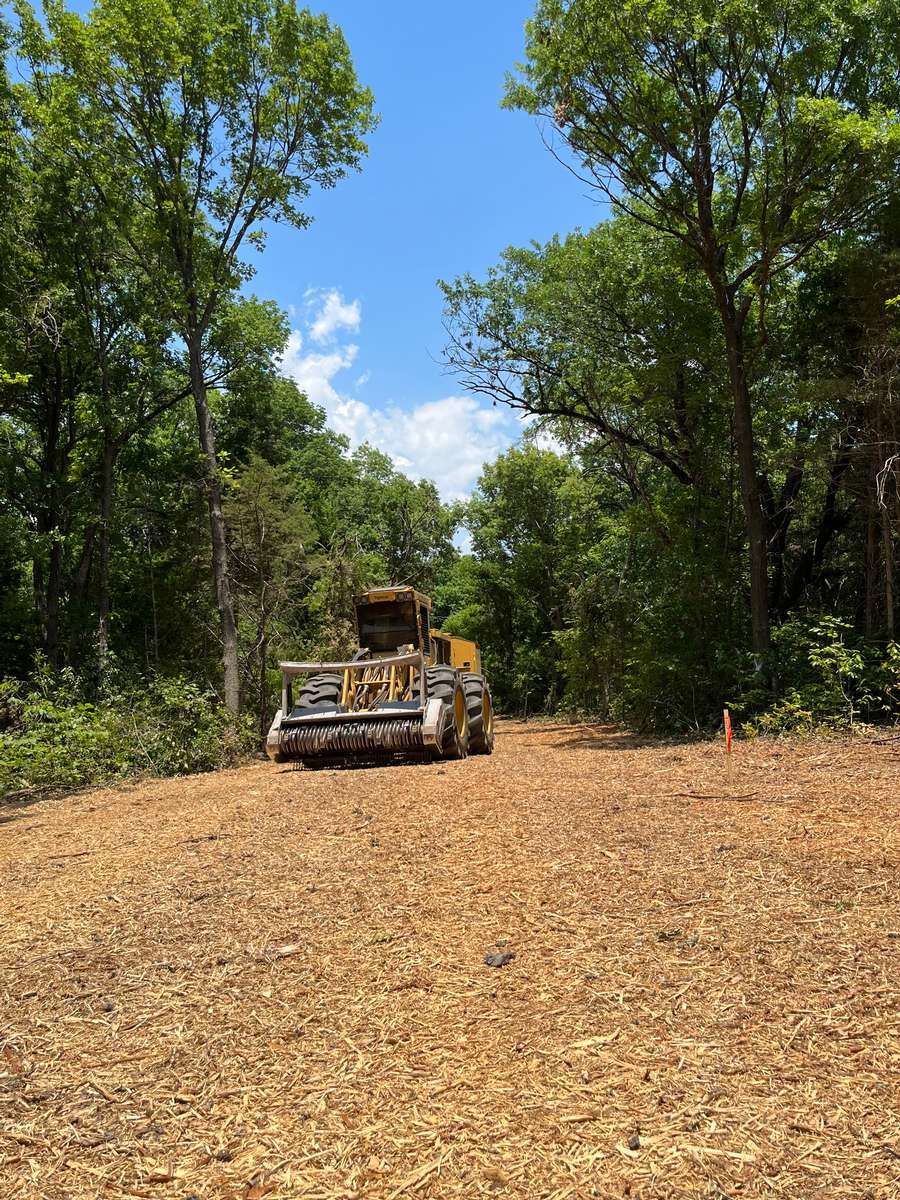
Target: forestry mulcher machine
[[410, 691]]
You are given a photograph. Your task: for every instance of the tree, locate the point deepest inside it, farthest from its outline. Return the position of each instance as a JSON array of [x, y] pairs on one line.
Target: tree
[[402, 525], [748, 132], [850, 324], [513, 599], [608, 334], [217, 116], [102, 368], [269, 532]]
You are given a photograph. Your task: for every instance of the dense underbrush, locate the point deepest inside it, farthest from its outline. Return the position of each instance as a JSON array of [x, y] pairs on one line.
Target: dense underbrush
[[828, 677], [821, 675], [55, 733]]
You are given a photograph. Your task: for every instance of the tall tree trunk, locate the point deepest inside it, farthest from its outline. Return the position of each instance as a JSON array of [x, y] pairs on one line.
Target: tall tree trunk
[[82, 574], [893, 510], [152, 598], [871, 593], [873, 433], [220, 569], [262, 627], [885, 503], [745, 445], [888, 555], [263, 688], [54, 585], [40, 597], [107, 484], [48, 581]]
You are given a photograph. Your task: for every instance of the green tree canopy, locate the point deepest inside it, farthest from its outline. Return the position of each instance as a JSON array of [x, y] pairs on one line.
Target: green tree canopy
[[209, 118], [748, 132]]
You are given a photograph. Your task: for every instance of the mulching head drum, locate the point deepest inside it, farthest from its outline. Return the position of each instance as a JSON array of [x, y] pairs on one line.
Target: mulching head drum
[[311, 741]]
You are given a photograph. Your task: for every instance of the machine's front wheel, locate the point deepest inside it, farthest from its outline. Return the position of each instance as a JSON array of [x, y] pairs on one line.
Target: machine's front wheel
[[481, 714], [443, 683], [320, 691]]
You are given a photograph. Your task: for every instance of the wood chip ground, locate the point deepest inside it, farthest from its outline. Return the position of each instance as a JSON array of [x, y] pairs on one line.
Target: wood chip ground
[[272, 983]]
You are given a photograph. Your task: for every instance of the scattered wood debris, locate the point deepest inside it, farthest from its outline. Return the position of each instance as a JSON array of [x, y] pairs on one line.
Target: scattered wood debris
[[233, 987]]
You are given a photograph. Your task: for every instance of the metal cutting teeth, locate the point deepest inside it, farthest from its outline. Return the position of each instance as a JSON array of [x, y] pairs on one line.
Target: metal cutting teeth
[[327, 739]]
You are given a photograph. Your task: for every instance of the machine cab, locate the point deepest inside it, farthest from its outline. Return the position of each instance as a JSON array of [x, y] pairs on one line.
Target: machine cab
[[387, 618]]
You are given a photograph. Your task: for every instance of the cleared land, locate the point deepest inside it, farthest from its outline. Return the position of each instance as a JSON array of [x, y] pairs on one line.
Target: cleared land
[[271, 983]]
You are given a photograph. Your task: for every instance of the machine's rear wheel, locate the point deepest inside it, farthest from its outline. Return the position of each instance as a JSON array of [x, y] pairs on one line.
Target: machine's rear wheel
[[320, 691], [481, 714], [443, 683]]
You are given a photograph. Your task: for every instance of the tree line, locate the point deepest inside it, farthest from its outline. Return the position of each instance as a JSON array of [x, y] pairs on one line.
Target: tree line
[[718, 357], [705, 508]]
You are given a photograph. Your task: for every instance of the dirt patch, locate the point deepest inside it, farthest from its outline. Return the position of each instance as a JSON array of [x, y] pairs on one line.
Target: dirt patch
[[273, 983]]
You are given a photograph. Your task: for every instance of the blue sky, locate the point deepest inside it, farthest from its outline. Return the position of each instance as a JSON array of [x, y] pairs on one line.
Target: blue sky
[[450, 180]]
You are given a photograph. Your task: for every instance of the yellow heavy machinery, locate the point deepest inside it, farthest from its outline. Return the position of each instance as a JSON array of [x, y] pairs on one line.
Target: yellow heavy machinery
[[409, 691]]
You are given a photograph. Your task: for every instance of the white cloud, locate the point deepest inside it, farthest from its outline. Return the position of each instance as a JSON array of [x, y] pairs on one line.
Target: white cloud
[[446, 440], [334, 313], [314, 372]]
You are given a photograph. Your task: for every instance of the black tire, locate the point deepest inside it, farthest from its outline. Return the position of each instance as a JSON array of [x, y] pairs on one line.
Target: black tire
[[319, 691], [444, 684], [481, 713]]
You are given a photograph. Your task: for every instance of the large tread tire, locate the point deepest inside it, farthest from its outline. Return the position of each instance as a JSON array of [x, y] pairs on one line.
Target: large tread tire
[[319, 691], [481, 713], [444, 684]]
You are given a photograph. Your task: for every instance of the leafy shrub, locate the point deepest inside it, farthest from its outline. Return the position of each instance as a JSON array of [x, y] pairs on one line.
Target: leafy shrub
[[837, 679], [52, 735]]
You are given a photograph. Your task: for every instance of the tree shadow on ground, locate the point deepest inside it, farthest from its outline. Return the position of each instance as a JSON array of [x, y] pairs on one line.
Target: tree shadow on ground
[[605, 737], [16, 804]]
